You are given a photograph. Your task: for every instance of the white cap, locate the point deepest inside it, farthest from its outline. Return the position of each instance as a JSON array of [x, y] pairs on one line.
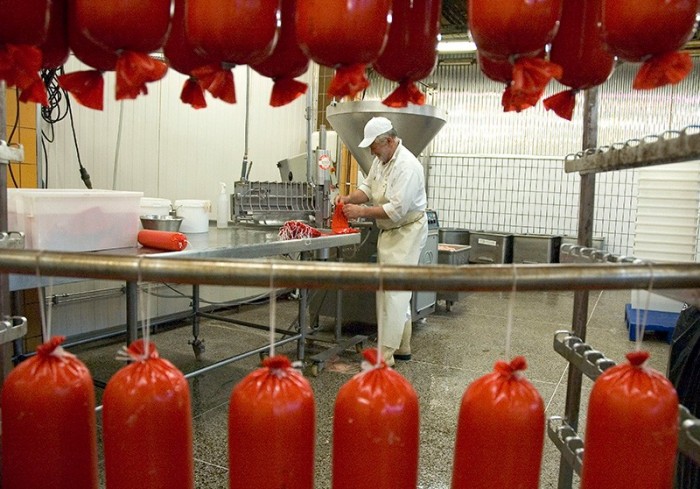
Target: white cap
[[375, 127]]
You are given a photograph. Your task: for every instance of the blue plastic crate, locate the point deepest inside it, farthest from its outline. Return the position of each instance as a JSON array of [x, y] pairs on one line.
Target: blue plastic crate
[[662, 321]]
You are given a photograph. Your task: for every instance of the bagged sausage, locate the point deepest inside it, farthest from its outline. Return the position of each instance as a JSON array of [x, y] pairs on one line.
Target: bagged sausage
[[86, 86], [651, 32], [343, 35], [236, 32], [286, 61], [376, 421], [272, 429], [49, 433], [23, 28], [517, 30], [162, 240], [578, 48], [147, 424], [131, 29], [501, 70], [500, 432], [54, 49], [632, 421], [182, 57], [415, 27]]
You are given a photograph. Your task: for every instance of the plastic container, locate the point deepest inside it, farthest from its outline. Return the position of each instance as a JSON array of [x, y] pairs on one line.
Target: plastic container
[[195, 214], [76, 220], [222, 208], [151, 206]]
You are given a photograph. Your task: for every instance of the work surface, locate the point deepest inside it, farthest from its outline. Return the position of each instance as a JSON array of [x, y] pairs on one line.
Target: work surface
[[233, 242]]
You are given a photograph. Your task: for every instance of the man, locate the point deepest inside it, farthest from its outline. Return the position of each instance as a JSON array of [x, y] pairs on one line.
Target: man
[[395, 191]]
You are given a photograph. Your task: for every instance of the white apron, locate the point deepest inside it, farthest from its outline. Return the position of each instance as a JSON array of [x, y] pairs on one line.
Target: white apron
[[400, 243]]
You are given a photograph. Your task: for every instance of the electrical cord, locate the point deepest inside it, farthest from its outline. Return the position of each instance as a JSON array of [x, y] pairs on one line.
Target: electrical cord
[[15, 124], [54, 113]]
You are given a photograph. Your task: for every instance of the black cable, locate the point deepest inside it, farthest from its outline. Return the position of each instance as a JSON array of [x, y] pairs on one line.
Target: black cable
[[53, 113], [12, 133]]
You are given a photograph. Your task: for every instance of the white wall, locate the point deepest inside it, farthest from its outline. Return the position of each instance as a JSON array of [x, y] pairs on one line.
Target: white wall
[[170, 150]]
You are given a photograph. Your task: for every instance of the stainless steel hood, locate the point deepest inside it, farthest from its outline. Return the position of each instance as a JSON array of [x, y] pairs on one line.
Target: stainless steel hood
[[416, 125]]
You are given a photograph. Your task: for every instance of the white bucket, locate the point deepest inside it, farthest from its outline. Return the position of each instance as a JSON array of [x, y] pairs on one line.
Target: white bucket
[[151, 206], [195, 214]]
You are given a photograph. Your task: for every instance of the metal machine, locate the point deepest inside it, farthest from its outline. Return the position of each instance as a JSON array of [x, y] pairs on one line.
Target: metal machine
[[416, 126]]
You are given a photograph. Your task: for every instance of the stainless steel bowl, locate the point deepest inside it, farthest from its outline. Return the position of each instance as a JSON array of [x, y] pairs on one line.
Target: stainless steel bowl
[[161, 223]]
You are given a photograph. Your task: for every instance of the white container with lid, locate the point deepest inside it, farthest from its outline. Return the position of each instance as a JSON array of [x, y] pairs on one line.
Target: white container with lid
[[151, 206], [195, 214]]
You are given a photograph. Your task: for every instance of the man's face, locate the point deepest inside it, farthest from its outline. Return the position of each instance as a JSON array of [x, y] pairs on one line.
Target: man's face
[[382, 149]]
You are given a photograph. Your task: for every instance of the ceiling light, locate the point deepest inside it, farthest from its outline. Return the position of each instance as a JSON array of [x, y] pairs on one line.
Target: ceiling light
[[456, 47]]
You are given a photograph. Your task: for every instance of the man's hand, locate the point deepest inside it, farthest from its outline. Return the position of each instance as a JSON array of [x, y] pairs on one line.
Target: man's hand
[[353, 211]]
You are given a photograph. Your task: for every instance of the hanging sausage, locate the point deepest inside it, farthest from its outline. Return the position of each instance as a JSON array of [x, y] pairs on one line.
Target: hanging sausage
[[286, 62], [48, 421], [86, 86], [23, 28], [501, 70], [631, 428], [578, 48], [132, 29], [147, 424], [517, 30], [415, 27], [376, 420], [500, 432], [272, 429], [236, 32], [182, 57], [343, 35], [55, 49], [651, 31]]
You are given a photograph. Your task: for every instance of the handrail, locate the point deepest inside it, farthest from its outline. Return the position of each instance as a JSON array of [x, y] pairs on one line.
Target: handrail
[[356, 276]]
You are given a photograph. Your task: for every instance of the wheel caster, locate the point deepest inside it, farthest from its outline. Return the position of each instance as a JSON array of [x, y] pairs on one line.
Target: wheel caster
[[448, 305], [315, 369], [197, 347]]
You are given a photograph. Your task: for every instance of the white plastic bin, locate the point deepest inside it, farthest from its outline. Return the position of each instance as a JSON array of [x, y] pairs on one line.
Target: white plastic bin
[[76, 220], [151, 206], [195, 214]]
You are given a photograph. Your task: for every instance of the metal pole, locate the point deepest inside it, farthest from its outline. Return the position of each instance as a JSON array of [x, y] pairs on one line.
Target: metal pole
[[580, 311], [352, 276], [5, 304]]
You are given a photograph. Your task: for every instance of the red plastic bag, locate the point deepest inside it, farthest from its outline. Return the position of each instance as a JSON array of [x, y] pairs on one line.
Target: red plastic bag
[[414, 29], [501, 70], [376, 430], [632, 421], [343, 35], [147, 424], [578, 48], [183, 57], [55, 49], [651, 31], [500, 432], [131, 29], [272, 429], [48, 422], [286, 61], [162, 240]]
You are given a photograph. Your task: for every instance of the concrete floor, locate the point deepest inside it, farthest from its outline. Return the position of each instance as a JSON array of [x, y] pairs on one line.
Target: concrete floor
[[450, 350]]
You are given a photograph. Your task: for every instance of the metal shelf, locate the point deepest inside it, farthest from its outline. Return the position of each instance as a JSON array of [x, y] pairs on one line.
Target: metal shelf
[[669, 147], [592, 363]]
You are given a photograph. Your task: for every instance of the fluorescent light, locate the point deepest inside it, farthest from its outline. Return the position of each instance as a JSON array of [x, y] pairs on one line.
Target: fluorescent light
[[456, 47]]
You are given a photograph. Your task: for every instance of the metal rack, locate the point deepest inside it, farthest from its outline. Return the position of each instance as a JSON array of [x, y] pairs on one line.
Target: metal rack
[[669, 147], [592, 363]]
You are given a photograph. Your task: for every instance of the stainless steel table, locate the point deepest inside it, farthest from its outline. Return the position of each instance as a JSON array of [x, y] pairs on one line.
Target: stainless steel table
[[234, 242]]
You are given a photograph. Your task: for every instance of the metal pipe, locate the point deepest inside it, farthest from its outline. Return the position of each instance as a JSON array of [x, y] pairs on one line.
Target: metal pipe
[[5, 302], [352, 276]]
